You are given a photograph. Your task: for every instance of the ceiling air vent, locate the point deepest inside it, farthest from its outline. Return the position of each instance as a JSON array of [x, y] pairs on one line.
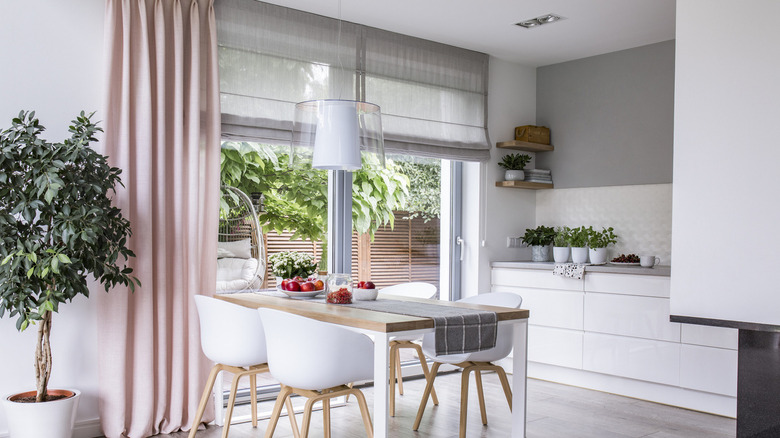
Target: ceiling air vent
[[540, 20]]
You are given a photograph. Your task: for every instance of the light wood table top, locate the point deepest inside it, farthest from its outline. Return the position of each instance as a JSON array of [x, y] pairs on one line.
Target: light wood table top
[[361, 318]]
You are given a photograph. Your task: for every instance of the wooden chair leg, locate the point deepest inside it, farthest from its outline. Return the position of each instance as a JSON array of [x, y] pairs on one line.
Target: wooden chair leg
[[426, 371], [291, 416], [231, 403], [391, 359], [204, 399], [428, 388], [349, 385], [253, 396], [398, 372], [464, 400], [326, 416], [306, 422], [364, 413], [282, 399], [481, 396], [505, 383]]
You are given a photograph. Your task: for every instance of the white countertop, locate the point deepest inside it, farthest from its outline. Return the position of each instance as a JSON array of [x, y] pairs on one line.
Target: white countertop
[[659, 270]]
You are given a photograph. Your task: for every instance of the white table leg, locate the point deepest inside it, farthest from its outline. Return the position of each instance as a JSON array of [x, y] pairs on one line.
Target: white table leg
[[519, 375], [381, 379]]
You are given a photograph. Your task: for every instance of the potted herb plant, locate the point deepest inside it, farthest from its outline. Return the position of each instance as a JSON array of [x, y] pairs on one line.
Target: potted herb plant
[[514, 165], [58, 227], [598, 242], [578, 240], [561, 245], [539, 239], [289, 264]]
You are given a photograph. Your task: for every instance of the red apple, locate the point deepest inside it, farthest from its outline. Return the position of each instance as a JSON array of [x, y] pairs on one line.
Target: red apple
[[298, 278], [361, 284], [293, 286], [369, 285], [284, 283], [319, 285], [307, 286]]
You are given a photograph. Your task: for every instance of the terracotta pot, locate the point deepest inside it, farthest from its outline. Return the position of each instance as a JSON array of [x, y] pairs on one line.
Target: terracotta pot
[[53, 419]]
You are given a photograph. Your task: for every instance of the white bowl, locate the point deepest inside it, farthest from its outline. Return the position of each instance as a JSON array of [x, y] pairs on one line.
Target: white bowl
[[364, 294], [299, 294]]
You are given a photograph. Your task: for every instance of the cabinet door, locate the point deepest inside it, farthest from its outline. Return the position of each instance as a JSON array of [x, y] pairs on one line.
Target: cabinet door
[[709, 369], [555, 346], [549, 307], [628, 315], [540, 279], [644, 285], [642, 359], [708, 336]]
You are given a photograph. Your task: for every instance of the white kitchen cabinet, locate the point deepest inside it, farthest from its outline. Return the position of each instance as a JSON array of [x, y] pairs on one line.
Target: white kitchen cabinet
[[645, 285], [630, 315], [709, 369], [532, 278], [554, 346], [643, 359], [550, 307], [710, 336]]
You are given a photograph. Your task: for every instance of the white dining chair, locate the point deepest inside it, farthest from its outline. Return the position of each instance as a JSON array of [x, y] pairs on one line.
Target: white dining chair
[[232, 337], [316, 360], [477, 362], [416, 289]]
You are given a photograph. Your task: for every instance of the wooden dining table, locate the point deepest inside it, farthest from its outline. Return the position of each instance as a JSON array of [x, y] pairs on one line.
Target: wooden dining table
[[382, 326]]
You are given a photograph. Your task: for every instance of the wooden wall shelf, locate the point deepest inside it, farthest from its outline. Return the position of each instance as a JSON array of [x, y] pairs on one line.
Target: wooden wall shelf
[[525, 146], [523, 185]]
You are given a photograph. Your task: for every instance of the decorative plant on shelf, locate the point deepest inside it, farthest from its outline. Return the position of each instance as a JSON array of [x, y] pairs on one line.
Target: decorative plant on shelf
[[539, 239], [561, 244], [514, 164], [58, 227], [289, 264], [598, 242]]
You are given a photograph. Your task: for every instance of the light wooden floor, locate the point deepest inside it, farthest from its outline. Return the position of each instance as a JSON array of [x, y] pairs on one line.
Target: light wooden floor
[[555, 411]]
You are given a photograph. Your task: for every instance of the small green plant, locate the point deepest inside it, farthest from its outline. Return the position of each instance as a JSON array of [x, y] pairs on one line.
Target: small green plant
[[539, 236], [562, 236], [601, 239], [289, 264], [578, 237], [514, 161]]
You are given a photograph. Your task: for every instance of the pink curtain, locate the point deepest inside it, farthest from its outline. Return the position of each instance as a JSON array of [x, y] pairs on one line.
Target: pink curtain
[[161, 125]]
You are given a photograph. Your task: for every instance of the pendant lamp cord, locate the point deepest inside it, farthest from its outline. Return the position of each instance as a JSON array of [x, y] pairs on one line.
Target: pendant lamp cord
[[338, 52]]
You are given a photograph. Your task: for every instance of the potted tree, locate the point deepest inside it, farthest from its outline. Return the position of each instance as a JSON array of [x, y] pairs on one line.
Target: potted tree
[[539, 239], [578, 240], [514, 165], [57, 228], [598, 242], [561, 245]]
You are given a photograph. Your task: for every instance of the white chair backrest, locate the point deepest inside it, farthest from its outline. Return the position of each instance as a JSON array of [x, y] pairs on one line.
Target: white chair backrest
[[504, 336], [230, 334], [309, 354], [416, 289]]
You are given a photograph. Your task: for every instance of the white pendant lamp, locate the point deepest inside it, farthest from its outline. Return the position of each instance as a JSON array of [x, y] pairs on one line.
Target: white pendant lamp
[[335, 132]]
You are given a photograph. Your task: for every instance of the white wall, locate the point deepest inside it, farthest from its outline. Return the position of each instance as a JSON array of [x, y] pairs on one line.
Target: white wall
[[502, 212], [726, 220], [52, 55]]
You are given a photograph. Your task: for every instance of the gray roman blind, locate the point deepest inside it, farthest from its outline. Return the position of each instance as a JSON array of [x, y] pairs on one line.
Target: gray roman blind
[[433, 96]]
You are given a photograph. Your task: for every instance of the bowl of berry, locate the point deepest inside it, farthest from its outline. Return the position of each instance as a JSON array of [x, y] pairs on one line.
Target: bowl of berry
[[340, 289], [366, 291], [626, 260]]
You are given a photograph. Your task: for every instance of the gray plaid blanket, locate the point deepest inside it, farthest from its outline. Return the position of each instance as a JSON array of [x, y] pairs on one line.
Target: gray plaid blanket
[[457, 330]]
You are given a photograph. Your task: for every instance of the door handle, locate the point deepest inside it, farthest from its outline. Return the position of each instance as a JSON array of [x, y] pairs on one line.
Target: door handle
[[461, 242]]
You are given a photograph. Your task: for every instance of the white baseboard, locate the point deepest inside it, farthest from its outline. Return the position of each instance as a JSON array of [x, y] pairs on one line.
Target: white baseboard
[[82, 429]]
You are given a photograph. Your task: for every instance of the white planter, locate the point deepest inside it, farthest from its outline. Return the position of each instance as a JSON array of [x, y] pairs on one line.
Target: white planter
[[598, 256], [52, 419], [579, 254], [540, 253], [514, 175], [561, 254]]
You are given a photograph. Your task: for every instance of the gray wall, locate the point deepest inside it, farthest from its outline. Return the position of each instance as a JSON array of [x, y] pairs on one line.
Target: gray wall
[[611, 117]]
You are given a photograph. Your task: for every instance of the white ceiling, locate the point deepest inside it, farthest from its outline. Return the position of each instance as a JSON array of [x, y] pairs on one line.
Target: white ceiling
[[591, 27]]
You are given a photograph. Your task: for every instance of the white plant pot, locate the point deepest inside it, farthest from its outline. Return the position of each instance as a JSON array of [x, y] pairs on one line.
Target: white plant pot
[[514, 175], [52, 419], [540, 253], [561, 254], [598, 256], [579, 254]]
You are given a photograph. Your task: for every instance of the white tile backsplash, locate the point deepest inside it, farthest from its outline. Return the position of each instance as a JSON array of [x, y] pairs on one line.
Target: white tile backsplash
[[641, 215]]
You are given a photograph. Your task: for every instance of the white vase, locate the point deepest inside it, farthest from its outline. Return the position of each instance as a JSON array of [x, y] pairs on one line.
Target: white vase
[[53, 419], [561, 254], [579, 254], [514, 175], [598, 256], [540, 253]]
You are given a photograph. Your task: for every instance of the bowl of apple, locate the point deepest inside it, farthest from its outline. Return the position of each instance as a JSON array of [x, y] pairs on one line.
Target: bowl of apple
[[298, 287], [365, 291]]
